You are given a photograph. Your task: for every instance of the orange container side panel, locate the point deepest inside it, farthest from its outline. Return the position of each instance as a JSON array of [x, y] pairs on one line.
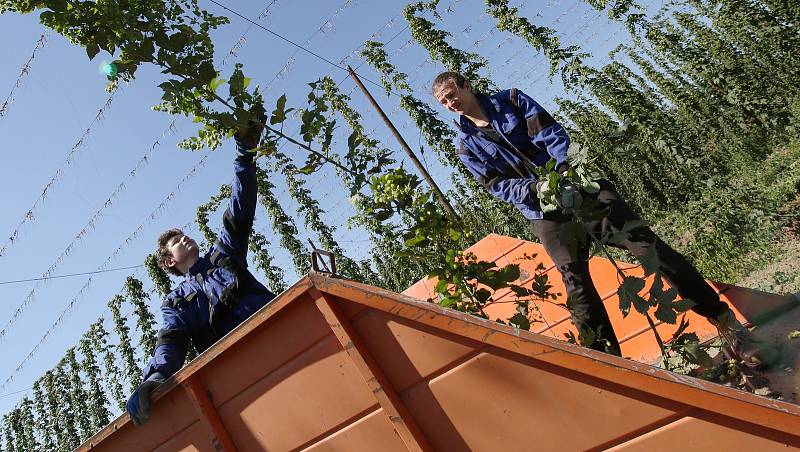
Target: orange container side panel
[[633, 331], [337, 365]]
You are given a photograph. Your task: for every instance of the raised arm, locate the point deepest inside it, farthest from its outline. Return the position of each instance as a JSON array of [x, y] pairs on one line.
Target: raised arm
[[238, 218], [237, 221]]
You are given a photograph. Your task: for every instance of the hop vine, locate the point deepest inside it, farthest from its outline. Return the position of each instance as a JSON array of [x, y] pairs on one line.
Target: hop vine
[[132, 372], [97, 400], [160, 278], [145, 318]]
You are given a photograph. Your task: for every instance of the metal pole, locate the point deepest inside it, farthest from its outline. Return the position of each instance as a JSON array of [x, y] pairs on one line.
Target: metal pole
[[439, 195]]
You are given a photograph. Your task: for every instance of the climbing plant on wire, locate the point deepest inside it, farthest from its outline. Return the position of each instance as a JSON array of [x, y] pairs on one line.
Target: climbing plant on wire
[[435, 41], [27, 429], [97, 399], [628, 10], [78, 396], [44, 428], [61, 404], [309, 208], [113, 375], [145, 319], [10, 429], [282, 224], [437, 133], [132, 373], [358, 139], [395, 271], [161, 282], [211, 206], [264, 261], [543, 39]]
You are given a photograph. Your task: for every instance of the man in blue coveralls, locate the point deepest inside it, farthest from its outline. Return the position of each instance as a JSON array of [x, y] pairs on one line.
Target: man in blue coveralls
[[218, 291], [501, 138]]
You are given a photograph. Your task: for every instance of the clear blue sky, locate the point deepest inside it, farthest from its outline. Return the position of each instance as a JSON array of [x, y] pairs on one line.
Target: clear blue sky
[[62, 93]]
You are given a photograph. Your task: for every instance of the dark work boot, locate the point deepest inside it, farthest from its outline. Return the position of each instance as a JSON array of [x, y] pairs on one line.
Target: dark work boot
[[754, 354]]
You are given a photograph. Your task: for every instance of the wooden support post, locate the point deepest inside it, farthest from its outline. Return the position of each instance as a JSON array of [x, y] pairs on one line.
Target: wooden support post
[[208, 414], [388, 399], [439, 194]]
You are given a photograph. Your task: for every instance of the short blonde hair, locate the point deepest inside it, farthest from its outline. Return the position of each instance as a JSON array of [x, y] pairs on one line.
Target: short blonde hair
[[445, 77]]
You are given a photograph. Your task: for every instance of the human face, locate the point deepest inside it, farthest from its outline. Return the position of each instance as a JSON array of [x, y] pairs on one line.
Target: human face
[[184, 252], [455, 98]]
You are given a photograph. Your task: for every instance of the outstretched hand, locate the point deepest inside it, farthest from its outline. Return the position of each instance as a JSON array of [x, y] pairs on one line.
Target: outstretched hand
[[570, 198], [138, 406], [567, 196], [249, 137]]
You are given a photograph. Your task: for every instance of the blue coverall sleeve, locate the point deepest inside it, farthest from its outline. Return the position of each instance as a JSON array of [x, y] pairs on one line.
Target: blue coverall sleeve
[[239, 216], [544, 131], [508, 189], [172, 345]]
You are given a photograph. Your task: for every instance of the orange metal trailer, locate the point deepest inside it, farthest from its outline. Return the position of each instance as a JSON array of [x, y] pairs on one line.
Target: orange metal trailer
[[332, 364]]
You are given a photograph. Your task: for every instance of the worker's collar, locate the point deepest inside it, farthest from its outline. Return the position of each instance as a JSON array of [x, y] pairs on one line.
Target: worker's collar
[[490, 107], [202, 264]]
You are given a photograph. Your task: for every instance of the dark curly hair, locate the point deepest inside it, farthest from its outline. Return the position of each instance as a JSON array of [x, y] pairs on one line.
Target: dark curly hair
[[162, 253]]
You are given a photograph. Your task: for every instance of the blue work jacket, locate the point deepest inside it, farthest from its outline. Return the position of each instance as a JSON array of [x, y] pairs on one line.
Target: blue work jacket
[[530, 137], [219, 292]]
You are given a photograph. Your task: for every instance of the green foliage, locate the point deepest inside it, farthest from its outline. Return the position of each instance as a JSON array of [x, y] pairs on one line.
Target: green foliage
[[173, 35], [540, 38], [463, 283], [113, 374], [160, 278], [131, 370], [687, 351], [619, 9], [394, 271], [44, 428], [263, 259], [436, 132], [10, 424], [309, 208], [436, 43], [96, 397], [145, 319], [78, 396], [282, 224], [211, 206], [26, 439], [61, 409]]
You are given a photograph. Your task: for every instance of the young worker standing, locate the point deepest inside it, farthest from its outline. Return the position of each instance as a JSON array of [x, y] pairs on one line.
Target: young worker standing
[[218, 292], [500, 139]]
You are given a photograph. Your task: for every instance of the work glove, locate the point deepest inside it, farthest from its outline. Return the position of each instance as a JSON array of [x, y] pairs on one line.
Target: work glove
[[567, 197], [249, 137], [138, 405]]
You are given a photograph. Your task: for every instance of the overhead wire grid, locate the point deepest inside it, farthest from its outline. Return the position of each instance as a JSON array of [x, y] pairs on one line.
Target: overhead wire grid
[[365, 115]]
